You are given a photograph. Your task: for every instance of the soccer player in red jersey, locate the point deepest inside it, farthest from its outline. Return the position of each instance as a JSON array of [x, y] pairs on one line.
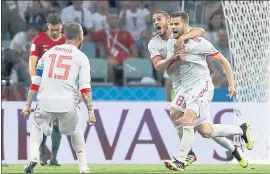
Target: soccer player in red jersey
[[40, 45]]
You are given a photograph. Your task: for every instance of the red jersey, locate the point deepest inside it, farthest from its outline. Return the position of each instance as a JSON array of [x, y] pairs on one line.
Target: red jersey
[[43, 42], [109, 41]]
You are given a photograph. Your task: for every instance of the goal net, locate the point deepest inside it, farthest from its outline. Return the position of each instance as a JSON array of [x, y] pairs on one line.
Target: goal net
[[248, 26]]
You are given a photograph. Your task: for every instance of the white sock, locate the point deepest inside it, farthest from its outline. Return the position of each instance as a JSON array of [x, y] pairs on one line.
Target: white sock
[[81, 157], [78, 144], [35, 139], [186, 142], [224, 142], [34, 150], [221, 130], [180, 132]]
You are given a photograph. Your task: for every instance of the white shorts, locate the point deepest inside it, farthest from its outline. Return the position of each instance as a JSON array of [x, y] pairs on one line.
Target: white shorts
[[68, 121], [197, 99]]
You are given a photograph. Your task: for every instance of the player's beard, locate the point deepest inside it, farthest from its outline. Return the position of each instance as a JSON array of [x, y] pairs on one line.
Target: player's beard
[[55, 36]]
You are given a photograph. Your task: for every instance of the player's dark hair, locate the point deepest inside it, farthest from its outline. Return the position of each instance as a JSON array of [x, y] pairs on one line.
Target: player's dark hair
[[164, 13], [182, 15], [73, 30], [54, 19]]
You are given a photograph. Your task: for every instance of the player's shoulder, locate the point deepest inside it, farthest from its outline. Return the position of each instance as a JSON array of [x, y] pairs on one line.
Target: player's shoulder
[[199, 41], [41, 36], [154, 40]]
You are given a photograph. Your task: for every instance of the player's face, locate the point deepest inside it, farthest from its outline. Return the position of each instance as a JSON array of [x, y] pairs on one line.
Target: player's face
[[160, 22], [177, 26], [55, 30]]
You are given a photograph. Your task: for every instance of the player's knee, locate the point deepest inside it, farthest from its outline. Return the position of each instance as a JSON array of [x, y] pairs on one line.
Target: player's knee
[[205, 130], [189, 116], [186, 120], [174, 114]]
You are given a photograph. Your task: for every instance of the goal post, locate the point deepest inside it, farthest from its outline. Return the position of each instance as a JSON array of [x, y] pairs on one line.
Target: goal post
[[248, 26]]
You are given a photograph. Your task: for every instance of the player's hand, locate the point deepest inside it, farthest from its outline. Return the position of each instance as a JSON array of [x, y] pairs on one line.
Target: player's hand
[[232, 91], [178, 45], [91, 118], [26, 112]]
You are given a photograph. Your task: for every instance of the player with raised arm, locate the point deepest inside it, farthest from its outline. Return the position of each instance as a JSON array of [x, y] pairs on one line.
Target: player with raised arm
[[194, 90], [41, 43], [158, 50], [59, 73]]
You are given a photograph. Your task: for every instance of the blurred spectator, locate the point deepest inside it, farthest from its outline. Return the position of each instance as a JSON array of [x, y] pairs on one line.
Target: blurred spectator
[[136, 20], [36, 12], [22, 40], [100, 17], [90, 5], [168, 6], [119, 45], [77, 13], [21, 43], [214, 25], [56, 6], [217, 71], [211, 7], [11, 22], [223, 43]]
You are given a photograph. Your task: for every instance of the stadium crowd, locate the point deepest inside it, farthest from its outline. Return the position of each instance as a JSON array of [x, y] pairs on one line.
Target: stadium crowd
[[23, 20]]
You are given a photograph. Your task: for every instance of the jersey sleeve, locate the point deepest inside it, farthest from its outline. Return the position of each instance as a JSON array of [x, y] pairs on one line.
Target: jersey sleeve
[[36, 80], [207, 48], [170, 47], [84, 76], [34, 51], [153, 50]]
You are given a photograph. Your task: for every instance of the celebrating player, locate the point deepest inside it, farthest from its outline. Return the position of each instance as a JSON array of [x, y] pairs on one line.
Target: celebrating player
[[40, 45], [158, 50], [60, 71], [194, 90]]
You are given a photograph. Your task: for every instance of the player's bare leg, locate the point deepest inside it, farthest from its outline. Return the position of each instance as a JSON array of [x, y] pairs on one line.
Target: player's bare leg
[[218, 132], [56, 140], [186, 123]]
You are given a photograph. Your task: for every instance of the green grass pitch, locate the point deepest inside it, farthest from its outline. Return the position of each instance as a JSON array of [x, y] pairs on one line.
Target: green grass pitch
[[131, 168]]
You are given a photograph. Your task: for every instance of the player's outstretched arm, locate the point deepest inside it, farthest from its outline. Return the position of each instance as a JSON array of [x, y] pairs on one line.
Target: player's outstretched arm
[[193, 32], [227, 67]]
